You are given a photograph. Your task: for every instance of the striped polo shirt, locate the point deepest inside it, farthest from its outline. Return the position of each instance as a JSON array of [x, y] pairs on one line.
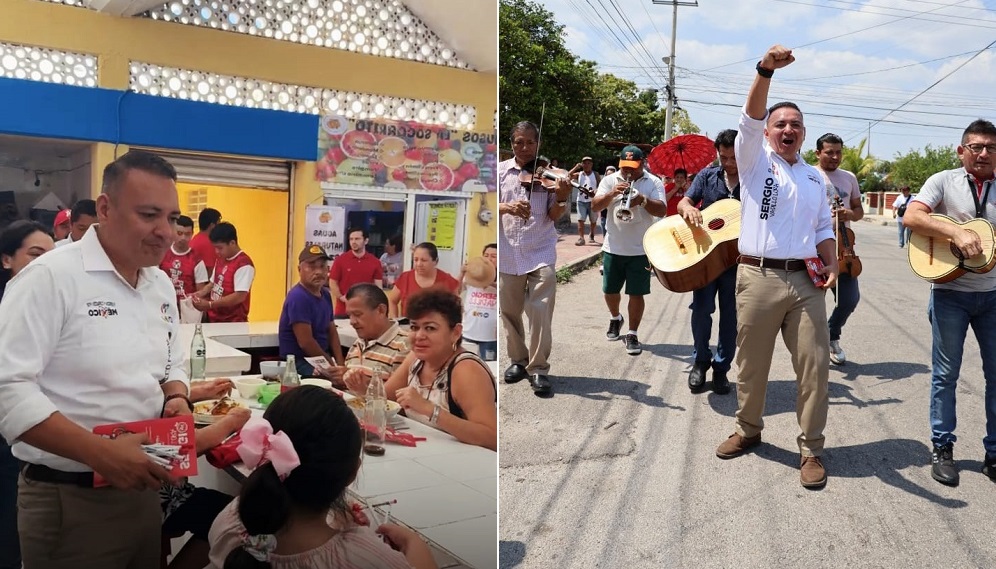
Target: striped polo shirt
[[384, 354]]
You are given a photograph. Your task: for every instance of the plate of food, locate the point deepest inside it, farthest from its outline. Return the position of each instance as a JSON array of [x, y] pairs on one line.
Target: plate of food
[[213, 410], [357, 404]]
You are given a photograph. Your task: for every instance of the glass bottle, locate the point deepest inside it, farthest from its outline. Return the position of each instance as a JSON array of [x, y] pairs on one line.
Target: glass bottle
[[291, 379], [198, 355], [375, 416]]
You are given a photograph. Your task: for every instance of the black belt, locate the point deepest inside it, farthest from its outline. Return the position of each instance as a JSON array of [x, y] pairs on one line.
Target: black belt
[[767, 263], [41, 473]]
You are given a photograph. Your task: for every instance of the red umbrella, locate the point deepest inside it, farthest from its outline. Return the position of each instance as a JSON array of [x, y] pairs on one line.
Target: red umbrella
[[692, 152]]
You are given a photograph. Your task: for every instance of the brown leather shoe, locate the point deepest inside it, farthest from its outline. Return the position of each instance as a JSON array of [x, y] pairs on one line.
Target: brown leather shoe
[[812, 473], [736, 445]]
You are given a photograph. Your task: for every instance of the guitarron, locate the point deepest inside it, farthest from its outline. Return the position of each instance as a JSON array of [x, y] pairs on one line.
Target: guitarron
[[938, 260], [686, 258]]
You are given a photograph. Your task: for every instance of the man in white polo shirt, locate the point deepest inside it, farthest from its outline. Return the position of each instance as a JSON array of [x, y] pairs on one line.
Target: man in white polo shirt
[[785, 221], [90, 338], [623, 257]]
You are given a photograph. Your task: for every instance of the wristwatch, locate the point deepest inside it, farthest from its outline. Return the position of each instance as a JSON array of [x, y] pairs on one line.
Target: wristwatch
[[176, 396], [435, 414], [766, 73]]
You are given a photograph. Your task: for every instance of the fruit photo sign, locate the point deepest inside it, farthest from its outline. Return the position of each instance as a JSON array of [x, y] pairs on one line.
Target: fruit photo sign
[[405, 155]]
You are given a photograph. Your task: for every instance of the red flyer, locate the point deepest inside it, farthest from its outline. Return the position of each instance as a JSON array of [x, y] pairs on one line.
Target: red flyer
[[171, 443]]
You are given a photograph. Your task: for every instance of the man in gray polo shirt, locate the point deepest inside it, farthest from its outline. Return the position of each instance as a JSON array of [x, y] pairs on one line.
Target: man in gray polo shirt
[[970, 300]]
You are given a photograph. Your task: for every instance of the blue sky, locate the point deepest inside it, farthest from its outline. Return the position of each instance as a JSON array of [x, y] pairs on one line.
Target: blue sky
[[856, 61]]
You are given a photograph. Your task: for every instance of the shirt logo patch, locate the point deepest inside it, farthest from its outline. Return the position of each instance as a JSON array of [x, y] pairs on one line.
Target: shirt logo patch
[[167, 317], [101, 309]]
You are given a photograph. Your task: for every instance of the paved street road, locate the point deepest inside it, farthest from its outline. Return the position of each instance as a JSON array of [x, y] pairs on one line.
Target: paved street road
[[618, 468]]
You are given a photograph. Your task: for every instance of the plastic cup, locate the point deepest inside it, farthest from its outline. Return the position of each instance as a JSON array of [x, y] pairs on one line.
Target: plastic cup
[[268, 393]]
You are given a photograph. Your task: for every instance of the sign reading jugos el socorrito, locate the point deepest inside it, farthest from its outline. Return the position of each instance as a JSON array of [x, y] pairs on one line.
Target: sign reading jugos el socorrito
[[405, 155]]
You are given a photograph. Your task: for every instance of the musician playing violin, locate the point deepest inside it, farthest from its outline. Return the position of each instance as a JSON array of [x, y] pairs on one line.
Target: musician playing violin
[[841, 184], [587, 179], [528, 208]]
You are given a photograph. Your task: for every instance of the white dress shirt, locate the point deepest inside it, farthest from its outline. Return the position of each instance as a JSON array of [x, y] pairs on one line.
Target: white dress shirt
[[78, 339], [784, 211]]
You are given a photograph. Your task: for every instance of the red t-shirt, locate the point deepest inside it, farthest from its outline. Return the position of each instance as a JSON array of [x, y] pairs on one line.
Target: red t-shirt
[[672, 204], [181, 271], [223, 284], [201, 243], [407, 286], [348, 270]]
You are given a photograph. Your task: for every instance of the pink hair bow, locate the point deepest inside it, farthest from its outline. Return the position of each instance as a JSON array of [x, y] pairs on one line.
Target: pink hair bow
[[260, 445]]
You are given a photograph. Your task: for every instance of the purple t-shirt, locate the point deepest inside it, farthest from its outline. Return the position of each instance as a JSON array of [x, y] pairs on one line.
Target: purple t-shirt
[[302, 306]]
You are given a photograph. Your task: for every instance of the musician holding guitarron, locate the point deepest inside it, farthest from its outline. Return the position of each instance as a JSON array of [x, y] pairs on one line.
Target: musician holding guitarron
[[954, 213], [711, 185], [844, 196]]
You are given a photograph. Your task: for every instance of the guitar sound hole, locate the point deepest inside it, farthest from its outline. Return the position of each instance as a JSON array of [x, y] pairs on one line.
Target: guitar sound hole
[[716, 224]]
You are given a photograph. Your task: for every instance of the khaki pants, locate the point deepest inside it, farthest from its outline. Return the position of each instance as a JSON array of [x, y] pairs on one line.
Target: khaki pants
[[68, 527], [769, 301], [534, 293]]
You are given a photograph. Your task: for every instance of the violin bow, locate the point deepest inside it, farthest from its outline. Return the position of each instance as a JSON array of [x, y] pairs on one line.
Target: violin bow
[[539, 140]]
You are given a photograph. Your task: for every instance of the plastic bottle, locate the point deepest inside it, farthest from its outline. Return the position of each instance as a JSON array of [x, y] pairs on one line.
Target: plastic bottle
[[198, 355], [291, 378], [375, 416]]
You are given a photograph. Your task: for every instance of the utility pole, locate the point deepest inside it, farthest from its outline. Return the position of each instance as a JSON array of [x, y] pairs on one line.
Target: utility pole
[[672, 98]]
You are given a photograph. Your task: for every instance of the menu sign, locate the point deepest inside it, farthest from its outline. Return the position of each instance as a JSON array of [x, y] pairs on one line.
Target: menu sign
[[442, 223], [325, 226], [405, 155]]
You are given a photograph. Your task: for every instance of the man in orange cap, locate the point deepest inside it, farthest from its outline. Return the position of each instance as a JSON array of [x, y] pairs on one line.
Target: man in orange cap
[[62, 224]]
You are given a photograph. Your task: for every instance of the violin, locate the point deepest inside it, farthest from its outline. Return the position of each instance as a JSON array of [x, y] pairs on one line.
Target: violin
[[539, 176], [847, 260]]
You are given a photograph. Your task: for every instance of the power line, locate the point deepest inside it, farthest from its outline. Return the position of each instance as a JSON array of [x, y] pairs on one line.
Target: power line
[[846, 33]]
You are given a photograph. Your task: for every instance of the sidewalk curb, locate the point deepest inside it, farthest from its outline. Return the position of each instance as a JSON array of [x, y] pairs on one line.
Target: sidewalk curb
[[879, 220], [582, 263]]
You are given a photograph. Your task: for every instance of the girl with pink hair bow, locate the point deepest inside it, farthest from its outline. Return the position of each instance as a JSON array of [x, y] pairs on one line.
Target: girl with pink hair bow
[[292, 512]]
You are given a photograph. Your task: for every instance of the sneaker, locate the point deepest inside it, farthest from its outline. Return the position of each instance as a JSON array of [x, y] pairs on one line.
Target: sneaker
[[837, 353], [811, 472], [633, 347], [580, 241], [614, 327], [736, 445], [989, 467], [943, 467]]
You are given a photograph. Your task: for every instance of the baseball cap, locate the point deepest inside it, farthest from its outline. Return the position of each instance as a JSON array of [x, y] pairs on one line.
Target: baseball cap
[[64, 216], [586, 158], [631, 157], [312, 252]]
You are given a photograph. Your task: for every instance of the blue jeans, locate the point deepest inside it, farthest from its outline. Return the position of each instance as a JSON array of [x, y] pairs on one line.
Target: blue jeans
[[10, 549], [488, 351], [847, 300], [904, 234], [951, 313], [703, 305]]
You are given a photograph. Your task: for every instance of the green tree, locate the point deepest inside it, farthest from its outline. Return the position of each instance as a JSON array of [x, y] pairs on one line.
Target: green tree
[[536, 68], [582, 106], [914, 168]]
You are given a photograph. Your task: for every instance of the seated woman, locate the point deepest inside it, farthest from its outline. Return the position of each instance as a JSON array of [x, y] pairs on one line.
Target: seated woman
[[424, 276], [189, 508], [439, 383], [292, 512]]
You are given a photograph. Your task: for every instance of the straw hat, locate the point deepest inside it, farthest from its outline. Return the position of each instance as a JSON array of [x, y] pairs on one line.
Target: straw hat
[[480, 272]]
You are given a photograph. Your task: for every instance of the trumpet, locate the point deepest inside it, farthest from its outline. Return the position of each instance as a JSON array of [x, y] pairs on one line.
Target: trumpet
[[625, 212]]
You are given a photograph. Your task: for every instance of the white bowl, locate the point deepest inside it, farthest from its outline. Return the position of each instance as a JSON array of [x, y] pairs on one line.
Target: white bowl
[[272, 369], [317, 382], [357, 403], [249, 386]]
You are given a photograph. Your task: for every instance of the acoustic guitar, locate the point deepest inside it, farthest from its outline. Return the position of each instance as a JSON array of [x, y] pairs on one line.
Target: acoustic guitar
[[938, 260], [686, 258]]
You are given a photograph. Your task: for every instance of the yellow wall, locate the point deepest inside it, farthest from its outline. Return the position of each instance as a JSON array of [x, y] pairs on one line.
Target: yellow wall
[[260, 217], [479, 235], [116, 41]]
